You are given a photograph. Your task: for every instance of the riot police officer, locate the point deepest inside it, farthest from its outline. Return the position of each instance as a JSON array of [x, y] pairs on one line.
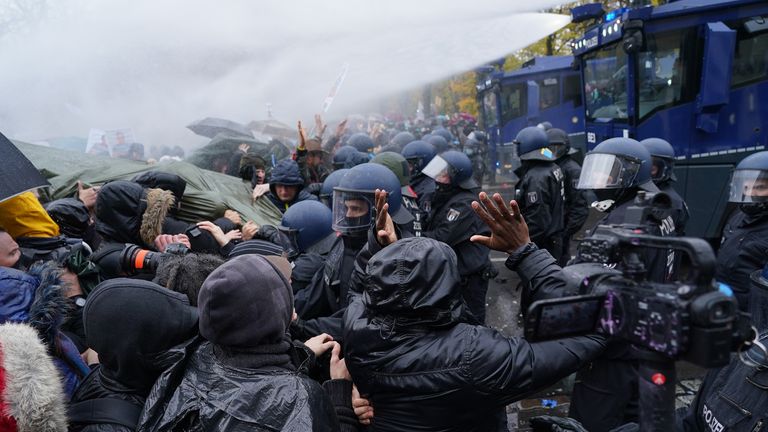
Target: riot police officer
[[353, 214], [735, 398], [541, 190], [605, 394], [744, 245], [453, 221], [576, 207], [418, 154], [663, 175], [399, 166]]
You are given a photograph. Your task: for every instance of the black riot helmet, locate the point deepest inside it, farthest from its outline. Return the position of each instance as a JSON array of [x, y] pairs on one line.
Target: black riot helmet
[[533, 144], [749, 184], [663, 156]]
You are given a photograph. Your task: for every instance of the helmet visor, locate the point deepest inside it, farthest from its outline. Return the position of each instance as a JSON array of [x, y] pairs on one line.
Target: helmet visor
[[749, 186], [289, 238], [661, 170], [607, 171], [440, 170], [352, 210]]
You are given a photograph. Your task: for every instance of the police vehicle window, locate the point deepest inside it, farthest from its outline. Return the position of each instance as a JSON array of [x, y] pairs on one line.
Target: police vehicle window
[[659, 73], [572, 90], [514, 102], [605, 83], [549, 92], [750, 63], [490, 109]]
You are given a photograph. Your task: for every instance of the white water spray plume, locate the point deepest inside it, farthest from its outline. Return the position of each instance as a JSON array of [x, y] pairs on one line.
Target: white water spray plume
[[156, 66]]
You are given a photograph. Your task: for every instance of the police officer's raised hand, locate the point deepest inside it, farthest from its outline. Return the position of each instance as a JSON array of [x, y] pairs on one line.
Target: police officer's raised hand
[[385, 228], [508, 228]]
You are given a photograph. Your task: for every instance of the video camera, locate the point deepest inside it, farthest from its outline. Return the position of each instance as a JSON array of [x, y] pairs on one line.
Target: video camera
[[689, 319], [135, 260]]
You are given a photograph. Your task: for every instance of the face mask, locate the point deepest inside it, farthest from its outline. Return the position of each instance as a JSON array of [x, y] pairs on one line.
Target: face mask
[[754, 209]]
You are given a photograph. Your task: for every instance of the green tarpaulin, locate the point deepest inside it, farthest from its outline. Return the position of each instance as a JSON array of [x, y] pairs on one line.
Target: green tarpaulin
[[207, 196]]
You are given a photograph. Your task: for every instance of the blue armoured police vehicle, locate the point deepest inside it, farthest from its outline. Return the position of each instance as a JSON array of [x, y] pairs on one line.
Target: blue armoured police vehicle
[[543, 89], [693, 72]]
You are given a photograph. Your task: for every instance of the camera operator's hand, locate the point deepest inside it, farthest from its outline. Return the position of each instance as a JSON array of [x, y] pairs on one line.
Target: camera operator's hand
[[249, 230], [259, 191], [385, 228], [362, 407], [338, 365], [163, 240], [508, 228], [320, 344]]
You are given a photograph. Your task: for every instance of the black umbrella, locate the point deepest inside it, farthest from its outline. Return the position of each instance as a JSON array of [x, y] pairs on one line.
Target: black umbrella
[[17, 174], [211, 126]]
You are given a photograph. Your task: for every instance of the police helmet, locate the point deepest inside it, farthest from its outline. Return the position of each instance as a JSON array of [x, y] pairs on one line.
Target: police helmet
[[545, 125], [361, 142], [402, 139], [558, 141], [354, 200], [439, 143], [478, 136], [533, 144], [340, 157], [443, 132], [330, 182], [663, 156], [617, 163], [306, 223], [418, 154], [399, 166], [451, 167], [749, 183]]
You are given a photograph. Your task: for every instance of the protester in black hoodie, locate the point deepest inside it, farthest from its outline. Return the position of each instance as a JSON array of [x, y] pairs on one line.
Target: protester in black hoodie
[[244, 376], [139, 329]]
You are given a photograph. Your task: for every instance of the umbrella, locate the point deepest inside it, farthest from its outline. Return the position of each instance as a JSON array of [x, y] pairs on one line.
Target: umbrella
[[211, 126], [274, 128], [17, 174]]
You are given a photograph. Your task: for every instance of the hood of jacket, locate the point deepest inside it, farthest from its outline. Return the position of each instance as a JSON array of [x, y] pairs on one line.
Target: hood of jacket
[[128, 213], [36, 297], [24, 216], [134, 325], [416, 282], [163, 180], [286, 172], [31, 389]]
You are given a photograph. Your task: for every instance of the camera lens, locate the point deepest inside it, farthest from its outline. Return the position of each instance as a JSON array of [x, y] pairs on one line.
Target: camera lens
[[135, 260]]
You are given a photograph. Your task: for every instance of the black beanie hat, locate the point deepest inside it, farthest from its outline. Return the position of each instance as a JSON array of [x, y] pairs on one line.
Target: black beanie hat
[[245, 303], [131, 324]]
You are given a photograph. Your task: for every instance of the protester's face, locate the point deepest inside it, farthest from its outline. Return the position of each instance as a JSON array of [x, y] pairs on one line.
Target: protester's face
[[286, 193], [260, 175], [757, 188], [314, 159], [356, 208], [9, 251]]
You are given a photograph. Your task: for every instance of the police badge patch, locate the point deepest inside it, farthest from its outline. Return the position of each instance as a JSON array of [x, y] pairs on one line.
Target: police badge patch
[[532, 197], [453, 215]]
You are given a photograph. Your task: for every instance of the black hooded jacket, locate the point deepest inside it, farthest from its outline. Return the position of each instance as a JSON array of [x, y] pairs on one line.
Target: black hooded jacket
[[411, 352], [287, 172], [119, 209], [139, 329]]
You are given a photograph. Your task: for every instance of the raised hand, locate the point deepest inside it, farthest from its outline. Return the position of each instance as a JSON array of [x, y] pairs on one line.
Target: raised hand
[[508, 228], [385, 228]]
